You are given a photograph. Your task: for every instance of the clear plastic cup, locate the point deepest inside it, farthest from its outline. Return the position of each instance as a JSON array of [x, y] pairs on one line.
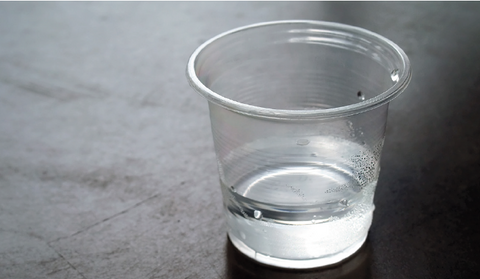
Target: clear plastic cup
[[298, 112]]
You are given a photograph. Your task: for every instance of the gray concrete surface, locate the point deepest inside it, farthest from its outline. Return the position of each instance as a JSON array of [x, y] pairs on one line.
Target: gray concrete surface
[[107, 168]]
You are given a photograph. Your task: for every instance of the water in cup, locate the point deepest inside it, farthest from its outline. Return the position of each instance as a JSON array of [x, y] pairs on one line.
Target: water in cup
[[316, 202]]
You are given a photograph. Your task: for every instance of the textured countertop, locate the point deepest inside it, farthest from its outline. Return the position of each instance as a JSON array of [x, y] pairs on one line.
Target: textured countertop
[[107, 167]]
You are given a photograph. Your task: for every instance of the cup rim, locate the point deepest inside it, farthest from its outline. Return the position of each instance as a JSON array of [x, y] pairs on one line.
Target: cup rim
[[342, 111]]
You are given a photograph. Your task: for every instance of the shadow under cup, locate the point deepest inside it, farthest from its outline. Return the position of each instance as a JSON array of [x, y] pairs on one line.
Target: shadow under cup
[[298, 112]]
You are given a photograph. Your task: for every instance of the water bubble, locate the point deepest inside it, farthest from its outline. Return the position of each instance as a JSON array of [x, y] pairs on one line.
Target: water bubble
[[303, 142], [360, 96], [394, 75], [314, 154], [233, 189], [257, 214]]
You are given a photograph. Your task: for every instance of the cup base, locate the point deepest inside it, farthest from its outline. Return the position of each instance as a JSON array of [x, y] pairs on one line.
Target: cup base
[[296, 264]]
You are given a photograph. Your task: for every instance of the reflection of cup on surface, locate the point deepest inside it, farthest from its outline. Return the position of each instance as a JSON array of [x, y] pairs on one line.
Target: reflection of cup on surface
[[298, 112], [357, 266]]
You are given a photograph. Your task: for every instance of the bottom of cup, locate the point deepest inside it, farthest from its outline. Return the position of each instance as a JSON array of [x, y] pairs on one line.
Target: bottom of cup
[[296, 264]]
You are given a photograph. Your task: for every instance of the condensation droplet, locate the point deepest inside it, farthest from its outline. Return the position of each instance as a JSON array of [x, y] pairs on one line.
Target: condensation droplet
[[233, 189], [257, 214], [360, 96], [314, 154], [242, 234], [303, 142], [394, 75], [344, 202], [350, 127]]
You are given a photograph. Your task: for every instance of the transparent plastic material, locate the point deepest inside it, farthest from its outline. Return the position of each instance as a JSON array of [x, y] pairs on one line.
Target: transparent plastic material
[[298, 112]]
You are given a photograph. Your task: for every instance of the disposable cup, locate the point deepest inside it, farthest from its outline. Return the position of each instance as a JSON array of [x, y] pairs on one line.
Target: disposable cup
[[298, 111]]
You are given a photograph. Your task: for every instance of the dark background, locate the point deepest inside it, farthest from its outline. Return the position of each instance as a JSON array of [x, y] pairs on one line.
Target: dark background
[[107, 168]]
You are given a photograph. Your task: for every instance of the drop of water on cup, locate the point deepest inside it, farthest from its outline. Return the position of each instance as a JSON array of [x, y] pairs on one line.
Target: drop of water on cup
[[303, 142], [350, 125], [360, 96], [242, 234], [344, 202], [233, 189], [394, 75], [314, 154], [257, 214]]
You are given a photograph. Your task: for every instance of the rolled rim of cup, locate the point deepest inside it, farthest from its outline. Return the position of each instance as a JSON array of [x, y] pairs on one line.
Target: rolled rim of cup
[[401, 69]]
